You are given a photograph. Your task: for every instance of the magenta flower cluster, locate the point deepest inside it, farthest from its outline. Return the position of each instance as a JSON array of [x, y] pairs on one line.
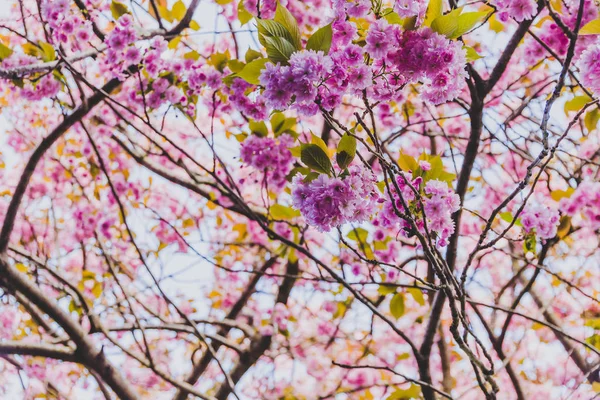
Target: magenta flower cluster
[[541, 219], [270, 155], [328, 202], [589, 66], [122, 51], [416, 56], [585, 200], [298, 82], [520, 10], [64, 24], [439, 203]]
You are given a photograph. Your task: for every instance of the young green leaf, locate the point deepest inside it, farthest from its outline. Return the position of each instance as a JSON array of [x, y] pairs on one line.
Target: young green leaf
[[472, 55], [178, 10], [467, 21], [346, 151], [397, 305], [279, 49], [252, 55], [591, 28], [434, 10], [117, 9], [251, 71], [315, 158], [258, 128], [285, 18], [280, 212], [267, 28], [5, 51], [321, 39]]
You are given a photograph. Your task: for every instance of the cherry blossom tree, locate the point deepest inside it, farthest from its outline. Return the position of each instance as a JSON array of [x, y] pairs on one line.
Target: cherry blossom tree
[[318, 199]]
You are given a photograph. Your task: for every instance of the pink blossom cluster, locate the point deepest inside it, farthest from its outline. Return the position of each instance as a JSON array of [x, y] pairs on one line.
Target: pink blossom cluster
[[298, 82], [519, 10], [255, 109], [328, 202], [585, 200], [416, 56], [266, 7], [46, 87], [543, 219], [352, 8], [122, 51], [63, 24], [553, 36], [589, 67], [439, 203], [270, 155], [410, 8]]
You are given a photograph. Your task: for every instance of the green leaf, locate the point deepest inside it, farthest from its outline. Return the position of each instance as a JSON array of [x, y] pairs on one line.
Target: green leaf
[[445, 25], [48, 51], [434, 10], [285, 18], [321, 39], [471, 54], [417, 294], [467, 21], [280, 212], [258, 128], [178, 10], [392, 17], [591, 28], [397, 305], [5, 51], [279, 49], [529, 243], [346, 151], [559, 194], [591, 119], [252, 55], [280, 124], [386, 289], [174, 42], [594, 340], [593, 323], [413, 392], [268, 28], [118, 9], [235, 65], [358, 235], [243, 15], [577, 103], [407, 163], [315, 158], [251, 71], [564, 227], [319, 142]]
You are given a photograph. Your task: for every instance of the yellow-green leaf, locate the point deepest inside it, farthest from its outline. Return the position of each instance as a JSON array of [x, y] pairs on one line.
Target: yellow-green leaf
[[315, 158], [467, 21], [434, 10], [321, 39], [346, 151], [5, 51], [577, 103], [285, 18], [118, 9], [251, 72], [178, 10], [591, 28], [280, 212], [397, 305]]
